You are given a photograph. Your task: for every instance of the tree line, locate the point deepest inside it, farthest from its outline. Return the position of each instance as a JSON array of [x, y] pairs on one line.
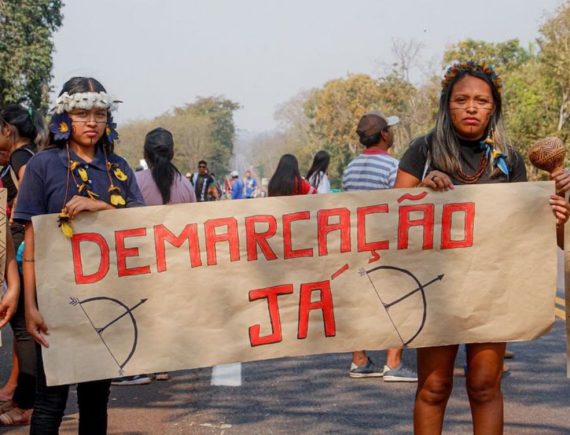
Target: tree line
[[536, 100], [536, 95]]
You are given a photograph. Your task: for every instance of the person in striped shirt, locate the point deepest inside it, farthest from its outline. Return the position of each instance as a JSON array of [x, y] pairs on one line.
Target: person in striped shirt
[[374, 169]]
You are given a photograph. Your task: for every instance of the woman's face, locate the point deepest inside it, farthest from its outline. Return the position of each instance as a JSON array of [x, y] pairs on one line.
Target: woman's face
[[471, 106], [88, 126]]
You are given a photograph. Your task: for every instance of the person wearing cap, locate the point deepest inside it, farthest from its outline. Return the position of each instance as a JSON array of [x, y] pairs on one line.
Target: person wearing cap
[[237, 186], [204, 183], [375, 169]]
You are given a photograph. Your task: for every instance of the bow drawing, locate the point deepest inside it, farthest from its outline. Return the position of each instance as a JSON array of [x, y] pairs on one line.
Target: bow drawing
[[128, 311], [420, 288]]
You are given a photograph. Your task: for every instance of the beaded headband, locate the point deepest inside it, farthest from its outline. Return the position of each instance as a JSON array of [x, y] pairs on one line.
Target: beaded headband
[[480, 67], [85, 100]]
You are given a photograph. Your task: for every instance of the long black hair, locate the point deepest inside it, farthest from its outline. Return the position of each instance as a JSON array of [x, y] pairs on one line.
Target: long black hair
[[318, 168], [159, 152], [77, 85], [286, 177], [28, 123]]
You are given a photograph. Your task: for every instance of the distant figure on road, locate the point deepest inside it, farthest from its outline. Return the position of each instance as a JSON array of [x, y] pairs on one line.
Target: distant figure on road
[[250, 185], [237, 186], [204, 183]]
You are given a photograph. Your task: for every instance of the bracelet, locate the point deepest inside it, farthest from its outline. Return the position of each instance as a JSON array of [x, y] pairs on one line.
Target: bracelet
[[28, 260]]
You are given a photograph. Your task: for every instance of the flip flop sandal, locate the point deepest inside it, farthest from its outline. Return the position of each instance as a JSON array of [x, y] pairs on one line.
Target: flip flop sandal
[[16, 417]]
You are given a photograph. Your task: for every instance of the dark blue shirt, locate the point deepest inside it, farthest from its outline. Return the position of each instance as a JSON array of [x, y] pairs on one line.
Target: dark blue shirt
[[47, 179]]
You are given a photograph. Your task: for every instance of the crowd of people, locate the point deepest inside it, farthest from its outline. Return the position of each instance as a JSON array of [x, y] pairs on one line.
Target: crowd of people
[[70, 167]]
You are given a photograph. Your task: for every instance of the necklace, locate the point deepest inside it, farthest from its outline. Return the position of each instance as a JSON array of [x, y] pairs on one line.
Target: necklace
[[471, 179], [81, 180]]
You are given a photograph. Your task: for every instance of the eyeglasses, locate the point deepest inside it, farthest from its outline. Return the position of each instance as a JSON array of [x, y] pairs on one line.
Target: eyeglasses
[[85, 116], [465, 103]]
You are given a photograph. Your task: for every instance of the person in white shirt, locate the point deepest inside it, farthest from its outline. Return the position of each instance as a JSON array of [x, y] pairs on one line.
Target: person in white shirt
[[317, 175]]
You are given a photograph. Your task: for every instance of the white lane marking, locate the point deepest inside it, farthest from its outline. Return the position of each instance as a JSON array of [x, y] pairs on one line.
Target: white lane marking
[[227, 375]]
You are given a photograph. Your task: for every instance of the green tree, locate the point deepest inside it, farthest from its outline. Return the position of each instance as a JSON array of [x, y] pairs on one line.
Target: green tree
[[530, 112], [334, 111], [555, 58], [26, 47], [505, 56], [294, 134], [220, 111], [193, 136]]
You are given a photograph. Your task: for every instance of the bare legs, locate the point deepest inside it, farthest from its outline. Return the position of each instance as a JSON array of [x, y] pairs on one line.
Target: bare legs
[[7, 391], [485, 367], [435, 382], [435, 373]]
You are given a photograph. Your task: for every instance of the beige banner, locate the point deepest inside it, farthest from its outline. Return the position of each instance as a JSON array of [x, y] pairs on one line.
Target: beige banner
[[193, 285]]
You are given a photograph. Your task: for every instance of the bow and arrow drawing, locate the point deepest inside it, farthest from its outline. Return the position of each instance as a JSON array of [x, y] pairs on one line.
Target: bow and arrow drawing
[[419, 288], [100, 329]]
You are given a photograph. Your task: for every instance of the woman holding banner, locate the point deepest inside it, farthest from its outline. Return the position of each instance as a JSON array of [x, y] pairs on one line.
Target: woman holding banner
[[467, 146], [78, 173]]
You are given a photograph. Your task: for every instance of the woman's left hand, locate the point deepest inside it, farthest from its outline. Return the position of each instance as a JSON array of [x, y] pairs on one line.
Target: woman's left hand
[[77, 204], [562, 179], [560, 208]]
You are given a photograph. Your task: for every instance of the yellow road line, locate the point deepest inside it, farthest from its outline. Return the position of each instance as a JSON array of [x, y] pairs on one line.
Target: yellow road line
[[560, 301], [560, 313]]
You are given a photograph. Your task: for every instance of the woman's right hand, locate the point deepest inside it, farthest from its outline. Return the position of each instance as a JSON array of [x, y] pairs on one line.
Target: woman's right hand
[[36, 326], [78, 204], [8, 305], [437, 180], [562, 179]]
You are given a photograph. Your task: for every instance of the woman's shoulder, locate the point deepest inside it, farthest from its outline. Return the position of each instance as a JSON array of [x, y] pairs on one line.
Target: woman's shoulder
[[27, 150], [421, 143], [415, 158], [514, 152], [117, 159], [143, 175], [517, 164], [46, 156]]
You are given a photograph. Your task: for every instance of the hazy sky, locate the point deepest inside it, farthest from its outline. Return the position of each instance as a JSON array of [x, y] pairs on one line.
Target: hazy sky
[[156, 55]]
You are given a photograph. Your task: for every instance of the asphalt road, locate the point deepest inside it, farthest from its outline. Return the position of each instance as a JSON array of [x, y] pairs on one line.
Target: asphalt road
[[314, 395]]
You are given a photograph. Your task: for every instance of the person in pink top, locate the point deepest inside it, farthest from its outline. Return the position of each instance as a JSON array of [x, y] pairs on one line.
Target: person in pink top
[[162, 183]]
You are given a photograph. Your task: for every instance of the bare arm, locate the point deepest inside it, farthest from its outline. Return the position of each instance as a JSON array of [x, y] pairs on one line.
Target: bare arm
[[9, 302], [34, 320]]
